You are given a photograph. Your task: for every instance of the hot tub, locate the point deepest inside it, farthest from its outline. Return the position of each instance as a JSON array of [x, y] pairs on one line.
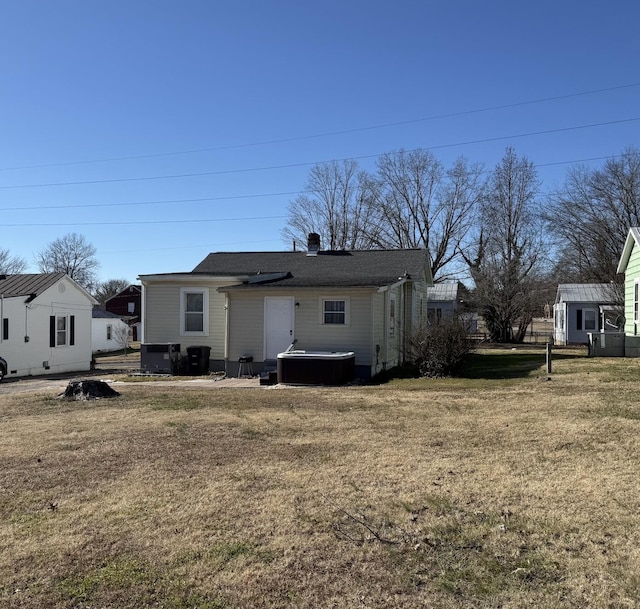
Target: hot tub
[[316, 367]]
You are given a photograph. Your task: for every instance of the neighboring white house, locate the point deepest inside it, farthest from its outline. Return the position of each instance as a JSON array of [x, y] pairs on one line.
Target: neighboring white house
[[256, 304], [46, 324], [108, 331]]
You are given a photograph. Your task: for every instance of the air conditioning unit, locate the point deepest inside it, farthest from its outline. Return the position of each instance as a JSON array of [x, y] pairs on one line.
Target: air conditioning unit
[[160, 358]]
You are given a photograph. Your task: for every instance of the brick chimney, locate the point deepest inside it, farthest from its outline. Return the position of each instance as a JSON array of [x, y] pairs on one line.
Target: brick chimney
[[313, 244]]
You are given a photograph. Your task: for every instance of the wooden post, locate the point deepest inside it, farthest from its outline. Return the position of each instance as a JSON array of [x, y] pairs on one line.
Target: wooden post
[[548, 358]]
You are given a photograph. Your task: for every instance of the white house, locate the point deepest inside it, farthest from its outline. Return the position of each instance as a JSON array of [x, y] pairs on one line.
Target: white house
[[46, 324], [109, 332]]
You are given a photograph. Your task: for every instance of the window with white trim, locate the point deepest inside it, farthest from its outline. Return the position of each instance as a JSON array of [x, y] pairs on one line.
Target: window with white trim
[[586, 320], [194, 311], [590, 317], [335, 311], [62, 329], [635, 300]]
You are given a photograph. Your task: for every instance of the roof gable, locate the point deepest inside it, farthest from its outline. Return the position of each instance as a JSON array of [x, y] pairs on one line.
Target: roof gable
[[359, 268], [633, 239]]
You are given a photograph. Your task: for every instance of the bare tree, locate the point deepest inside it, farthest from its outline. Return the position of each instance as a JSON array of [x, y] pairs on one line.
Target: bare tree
[[73, 255], [121, 336], [106, 289], [11, 265], [334, 206], [590, 216], [509, 254], [420, 204]]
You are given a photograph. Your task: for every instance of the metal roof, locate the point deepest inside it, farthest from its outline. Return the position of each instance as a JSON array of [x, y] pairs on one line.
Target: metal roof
[[444, 292], [587, 292], [27, 284]]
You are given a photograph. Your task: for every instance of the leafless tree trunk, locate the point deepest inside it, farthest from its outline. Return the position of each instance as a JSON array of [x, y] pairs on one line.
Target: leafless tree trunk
[[509, 253]]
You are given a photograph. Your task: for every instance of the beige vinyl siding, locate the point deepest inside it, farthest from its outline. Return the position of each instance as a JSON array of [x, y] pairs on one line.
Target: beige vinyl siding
[[162, 316], [246, 323], [631, 274]]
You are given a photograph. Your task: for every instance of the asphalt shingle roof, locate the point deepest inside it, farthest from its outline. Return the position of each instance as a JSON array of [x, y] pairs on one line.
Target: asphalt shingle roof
[[365, 268], [27, 284], [98, 313]]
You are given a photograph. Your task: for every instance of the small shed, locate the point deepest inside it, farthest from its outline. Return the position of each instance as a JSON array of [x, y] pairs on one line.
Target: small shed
[[442, 300], [584, 308]]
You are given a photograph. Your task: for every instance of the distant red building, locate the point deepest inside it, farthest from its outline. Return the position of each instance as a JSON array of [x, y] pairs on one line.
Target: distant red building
[[127, 304]]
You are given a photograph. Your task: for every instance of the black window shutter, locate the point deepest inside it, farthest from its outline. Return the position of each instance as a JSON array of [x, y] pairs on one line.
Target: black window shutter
[[579, 319], [5, 329], [52, 331], [72, 330]]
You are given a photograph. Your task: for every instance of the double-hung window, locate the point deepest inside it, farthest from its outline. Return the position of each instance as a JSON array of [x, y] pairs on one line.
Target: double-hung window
[[335, 311], [194, 311], [586, 320], [61, 330]]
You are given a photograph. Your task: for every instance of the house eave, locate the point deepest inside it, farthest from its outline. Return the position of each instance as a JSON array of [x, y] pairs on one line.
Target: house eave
[[633, 237], [190, 278]]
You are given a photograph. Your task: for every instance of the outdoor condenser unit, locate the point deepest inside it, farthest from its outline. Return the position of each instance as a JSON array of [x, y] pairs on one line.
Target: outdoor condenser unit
[[160, 358]]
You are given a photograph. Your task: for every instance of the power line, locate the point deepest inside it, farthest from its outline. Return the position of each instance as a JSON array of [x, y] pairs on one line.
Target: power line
[[329, 133], [249, 196], [146, 222], [306, 164], [163, 202]]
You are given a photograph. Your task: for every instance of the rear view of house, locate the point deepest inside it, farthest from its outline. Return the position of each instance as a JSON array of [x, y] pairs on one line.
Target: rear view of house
[[46, 324], [256, 304]]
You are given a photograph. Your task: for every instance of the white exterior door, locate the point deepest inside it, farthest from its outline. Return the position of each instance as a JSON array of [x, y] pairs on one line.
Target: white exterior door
[[278, 325]]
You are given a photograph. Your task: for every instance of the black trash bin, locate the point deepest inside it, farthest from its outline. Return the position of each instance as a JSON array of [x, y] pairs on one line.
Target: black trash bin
[[198, 359]]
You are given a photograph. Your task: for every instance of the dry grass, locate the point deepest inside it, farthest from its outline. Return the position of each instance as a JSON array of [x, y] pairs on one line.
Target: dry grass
[[477, 492]]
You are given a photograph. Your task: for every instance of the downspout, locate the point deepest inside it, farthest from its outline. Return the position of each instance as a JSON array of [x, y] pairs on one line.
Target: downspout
[[226, 334], [143, 311]]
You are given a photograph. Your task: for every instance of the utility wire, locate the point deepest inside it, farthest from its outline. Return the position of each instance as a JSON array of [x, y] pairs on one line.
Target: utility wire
[[329, 133], [306, 164], [249, 196], [146, 222]]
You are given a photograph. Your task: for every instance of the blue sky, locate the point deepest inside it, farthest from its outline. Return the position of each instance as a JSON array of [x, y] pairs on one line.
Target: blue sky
[[162, 131]]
